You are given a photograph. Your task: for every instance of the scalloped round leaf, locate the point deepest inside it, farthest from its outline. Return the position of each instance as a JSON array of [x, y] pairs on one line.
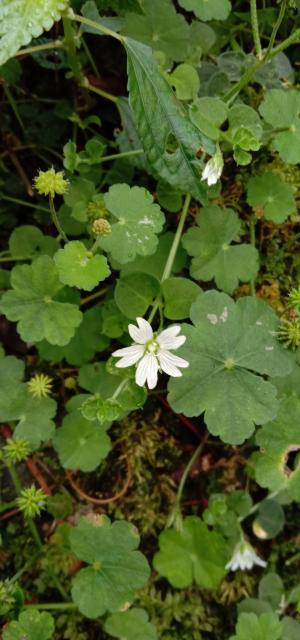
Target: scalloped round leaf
[[228, 346], [22, 20], [35, 422], [265, 627], [208, 113], [271, 195], [31, 302], [279, 440], [191, 554], [179, 294], [212, 10], [81, 444], [134, 293], [79, 267], [154, 265], [281, 108], [213, 254], [28, 241], [13, 393], [116, 568], [138, 222], [186, 82], [31, 625], [130, 625], [160, 27]]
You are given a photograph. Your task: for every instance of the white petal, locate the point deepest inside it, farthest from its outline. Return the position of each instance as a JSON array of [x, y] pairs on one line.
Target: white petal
[[129, 354], [260, 562], [167, 339], [142, 333], [152, 371], [147, 370], [169, 363]]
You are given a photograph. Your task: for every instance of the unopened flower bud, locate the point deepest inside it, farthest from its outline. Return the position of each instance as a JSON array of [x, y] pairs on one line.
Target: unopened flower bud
[[101, 227], [51, 183], [96, 208]]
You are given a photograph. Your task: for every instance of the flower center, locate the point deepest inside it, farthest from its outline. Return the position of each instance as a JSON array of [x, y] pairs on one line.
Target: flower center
[[152, 346]]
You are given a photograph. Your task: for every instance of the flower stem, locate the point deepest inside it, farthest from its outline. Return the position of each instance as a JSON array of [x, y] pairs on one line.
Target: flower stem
[[56, 220], [85, 84], [94, 296], [253, 242], [23, 203], [124, 154], [95, 25], [176, 512], [275, 28], [255, 29], [172, 254], [119, 389]]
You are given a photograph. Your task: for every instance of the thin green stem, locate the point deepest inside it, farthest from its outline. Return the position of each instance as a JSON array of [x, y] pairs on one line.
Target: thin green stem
[[56, 220], [95, 25], [172, 254], [23, 203], [90, 57], [14, 259], [59, 606], [94, 296], [55, 44], [255, 29], [120, 388], [253, 242], [275, 28], [124, 154], [70, 46], [13, 105], [256, 506], [100, 92], [285, 44], [187, 470]]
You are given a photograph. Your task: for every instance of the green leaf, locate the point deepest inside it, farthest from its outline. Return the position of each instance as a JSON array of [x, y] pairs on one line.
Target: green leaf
[[269, 520], [154, 265], [28, 241], [179, 293], [78, 196], [160, 27], [116, 568], [266, 627], [22, 20], [32, 303], [271, 194], [87, 341], [79, 267], [208, 114], [80, 444], [35, 420], [114, 323], [271, 589], [139, 220], [214, 256], [168, 197], [291, 629], [130, 625], [134, 293], [191, 554], [161, 122], [186, 82], [105, 411], [11, 71], [12, 391], [281, 108], [31, 625], [229, 344], [277, 440], [207, 10]]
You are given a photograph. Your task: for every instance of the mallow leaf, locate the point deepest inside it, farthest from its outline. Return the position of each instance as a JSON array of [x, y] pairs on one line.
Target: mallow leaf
[[213, 254], [80, 444], [229, 347], [79, 267], [277, 441], [207, 10], [28, 241], [116, 569], [22, 20], [130, 625], [32, 303], [281, 108], [178, 294], [169, 138], [138, 220], [191, 554], [12, 391], [272, 196], [32, 625], [134, 293], [265, 627], [208, 114], [160, 27]]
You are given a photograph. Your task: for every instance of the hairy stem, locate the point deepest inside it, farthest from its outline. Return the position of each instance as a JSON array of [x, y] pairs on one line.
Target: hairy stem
[[255, 29], [56, 220], [275, 28], [95, 25]]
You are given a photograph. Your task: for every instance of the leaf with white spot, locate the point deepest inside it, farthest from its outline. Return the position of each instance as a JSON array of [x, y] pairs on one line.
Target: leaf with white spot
[[79, 267], [229, 348]]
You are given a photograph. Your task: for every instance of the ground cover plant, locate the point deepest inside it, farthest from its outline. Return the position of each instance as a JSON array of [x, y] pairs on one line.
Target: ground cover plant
[[150, 301]]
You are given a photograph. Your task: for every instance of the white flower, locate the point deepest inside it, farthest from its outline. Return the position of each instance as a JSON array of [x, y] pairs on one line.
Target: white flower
[[151, 352], [244, 557], [213, 168]]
